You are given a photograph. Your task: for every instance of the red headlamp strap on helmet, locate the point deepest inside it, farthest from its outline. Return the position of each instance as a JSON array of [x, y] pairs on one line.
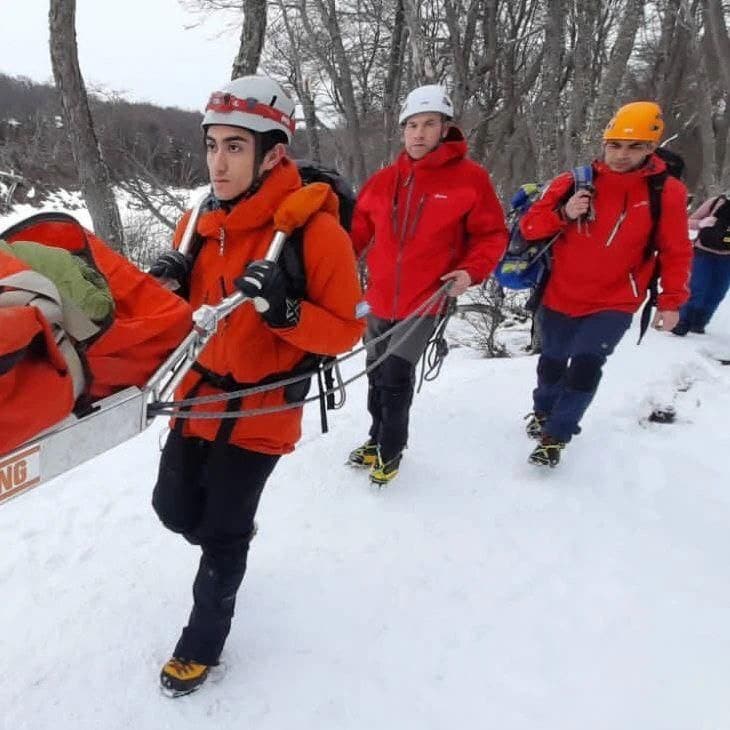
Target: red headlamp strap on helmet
[[226, 103]]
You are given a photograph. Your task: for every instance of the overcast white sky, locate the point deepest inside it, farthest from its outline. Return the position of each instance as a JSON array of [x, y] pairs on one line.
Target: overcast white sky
[[140, 48]]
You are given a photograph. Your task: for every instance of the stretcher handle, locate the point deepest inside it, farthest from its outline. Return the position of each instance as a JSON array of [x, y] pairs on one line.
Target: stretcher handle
[[187, 237], [190, 228]]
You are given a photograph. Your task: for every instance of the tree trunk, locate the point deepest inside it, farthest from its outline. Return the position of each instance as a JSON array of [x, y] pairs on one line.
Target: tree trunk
[[576, 142], [720, 39], [310, 122], [708, 179], [548, 121], [393, 78], [92, 171], [302, 86], [611, 82], [423, 66], [667, 65], [341, 77], [252, 38]]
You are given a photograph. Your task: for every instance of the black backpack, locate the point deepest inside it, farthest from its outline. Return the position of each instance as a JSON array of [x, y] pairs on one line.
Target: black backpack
[[310, 172], [717, 237], [673, 161]]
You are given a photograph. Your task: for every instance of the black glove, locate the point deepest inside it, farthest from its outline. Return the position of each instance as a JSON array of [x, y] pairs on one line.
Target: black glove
[[172, 265], [269, 287]]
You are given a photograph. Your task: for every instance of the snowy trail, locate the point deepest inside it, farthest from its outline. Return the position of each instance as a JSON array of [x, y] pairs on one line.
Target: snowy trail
[[475, 592]]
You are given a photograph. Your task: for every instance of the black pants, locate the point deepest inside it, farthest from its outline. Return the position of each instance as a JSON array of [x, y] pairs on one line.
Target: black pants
[[209, 493], [391, 384]]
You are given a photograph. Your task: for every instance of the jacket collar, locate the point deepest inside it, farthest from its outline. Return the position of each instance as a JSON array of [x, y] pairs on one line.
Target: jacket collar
[[653, 166], [259, 209]]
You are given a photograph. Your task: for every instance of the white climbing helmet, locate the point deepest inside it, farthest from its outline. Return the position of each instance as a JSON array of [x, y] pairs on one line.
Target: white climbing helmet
[[257, 103], [431, 98]]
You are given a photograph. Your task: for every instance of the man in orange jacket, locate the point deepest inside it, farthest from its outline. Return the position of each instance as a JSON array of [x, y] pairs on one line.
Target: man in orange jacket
[[212, 472], [602, 263], [430, 217]]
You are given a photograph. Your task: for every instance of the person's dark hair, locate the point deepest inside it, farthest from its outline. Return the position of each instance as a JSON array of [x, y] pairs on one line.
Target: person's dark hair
[[269, 140]]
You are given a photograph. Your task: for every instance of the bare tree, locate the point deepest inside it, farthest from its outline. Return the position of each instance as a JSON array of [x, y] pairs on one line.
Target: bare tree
[[299, 78], [338, 68], [424, 68], [548, 108], [253, 33], [393, 78], [92, 170], [587, 13], [617, 64], [719, 35]]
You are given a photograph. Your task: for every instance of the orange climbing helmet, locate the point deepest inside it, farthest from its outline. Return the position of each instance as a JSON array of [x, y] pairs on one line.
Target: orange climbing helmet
[[640, 121]]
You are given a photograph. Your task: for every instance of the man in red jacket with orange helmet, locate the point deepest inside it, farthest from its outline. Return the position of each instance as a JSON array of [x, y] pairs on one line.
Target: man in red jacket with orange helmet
[[601, 270], [430, 217]]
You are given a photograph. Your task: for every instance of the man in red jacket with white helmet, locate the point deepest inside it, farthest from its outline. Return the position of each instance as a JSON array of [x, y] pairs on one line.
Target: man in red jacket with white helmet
[[430, 217], [603, 261]]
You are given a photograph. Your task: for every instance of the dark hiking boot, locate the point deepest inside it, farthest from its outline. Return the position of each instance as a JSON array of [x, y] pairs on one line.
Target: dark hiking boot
[[547, 452], [698, 329], [681, 328], [181, 676], [535, 422]]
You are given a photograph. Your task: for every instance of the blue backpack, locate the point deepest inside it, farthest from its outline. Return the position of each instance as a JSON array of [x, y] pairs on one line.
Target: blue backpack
[[526, 264]]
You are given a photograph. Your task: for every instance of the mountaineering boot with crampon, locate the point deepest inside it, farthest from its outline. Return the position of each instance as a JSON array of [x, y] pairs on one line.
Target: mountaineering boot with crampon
[[365, 455], [547, 452], [181, 676], [383, 472], [681, 328], [535, 422]]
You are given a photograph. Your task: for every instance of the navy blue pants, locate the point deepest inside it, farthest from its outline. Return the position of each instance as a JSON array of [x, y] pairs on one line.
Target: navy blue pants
[[209, 493], [574, 350], [708, 285]]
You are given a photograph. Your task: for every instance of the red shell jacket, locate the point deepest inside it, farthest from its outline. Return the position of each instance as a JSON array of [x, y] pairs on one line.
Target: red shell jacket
[[602, 264], [245, 347], [426, 218]]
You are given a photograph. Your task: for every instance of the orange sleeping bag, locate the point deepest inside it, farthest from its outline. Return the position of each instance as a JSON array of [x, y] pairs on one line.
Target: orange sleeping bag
[[36, 389]]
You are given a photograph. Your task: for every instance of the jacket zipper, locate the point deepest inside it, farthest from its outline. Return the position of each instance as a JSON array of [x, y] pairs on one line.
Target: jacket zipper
[[614, 231], [401, 243], [417, 216], [632, 281], [222, 241], [618, 223]]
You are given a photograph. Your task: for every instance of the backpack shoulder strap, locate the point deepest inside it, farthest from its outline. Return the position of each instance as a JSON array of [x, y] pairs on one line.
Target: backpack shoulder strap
[[720, 200], [291, 260], [656, 188]]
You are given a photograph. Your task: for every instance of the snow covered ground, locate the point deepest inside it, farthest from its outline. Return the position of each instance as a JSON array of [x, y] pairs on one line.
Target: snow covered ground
[[476, 591]]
